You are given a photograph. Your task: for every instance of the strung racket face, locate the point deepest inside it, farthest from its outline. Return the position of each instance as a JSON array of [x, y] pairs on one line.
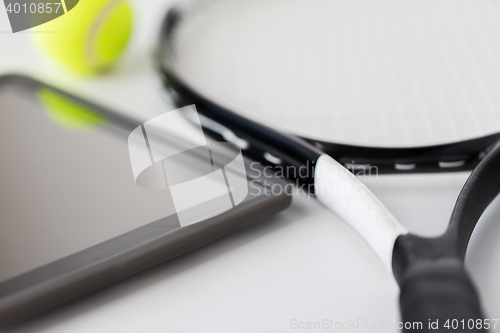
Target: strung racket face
[[385, 73]]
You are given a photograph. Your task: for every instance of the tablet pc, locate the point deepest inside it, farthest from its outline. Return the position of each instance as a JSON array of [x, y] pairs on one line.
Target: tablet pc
[[72, 217]]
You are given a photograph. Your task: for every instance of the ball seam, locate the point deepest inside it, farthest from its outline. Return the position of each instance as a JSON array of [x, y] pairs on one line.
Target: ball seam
[[90, 49]]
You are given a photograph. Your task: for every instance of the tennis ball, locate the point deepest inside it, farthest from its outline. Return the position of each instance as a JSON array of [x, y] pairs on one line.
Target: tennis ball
[[90, 38]]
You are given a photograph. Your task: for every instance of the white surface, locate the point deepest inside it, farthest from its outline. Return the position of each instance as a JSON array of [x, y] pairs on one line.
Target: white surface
[[343, 193], [304, 264]]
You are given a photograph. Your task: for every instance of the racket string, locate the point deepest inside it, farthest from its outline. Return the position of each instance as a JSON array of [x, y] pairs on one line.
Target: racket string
[[391, 74]]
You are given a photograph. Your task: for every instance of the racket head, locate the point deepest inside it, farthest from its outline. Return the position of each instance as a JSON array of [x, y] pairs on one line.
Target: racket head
[[220, 16], [368, 73]]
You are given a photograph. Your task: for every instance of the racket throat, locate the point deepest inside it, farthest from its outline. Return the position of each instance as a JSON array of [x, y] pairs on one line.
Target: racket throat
[[343, 193], [411, 251]]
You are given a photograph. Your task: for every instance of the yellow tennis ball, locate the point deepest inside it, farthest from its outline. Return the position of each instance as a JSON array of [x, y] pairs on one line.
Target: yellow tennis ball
[[90, 38]]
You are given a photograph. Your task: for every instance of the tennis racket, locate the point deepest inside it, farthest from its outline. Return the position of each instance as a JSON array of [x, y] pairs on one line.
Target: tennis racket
[[404, 87]]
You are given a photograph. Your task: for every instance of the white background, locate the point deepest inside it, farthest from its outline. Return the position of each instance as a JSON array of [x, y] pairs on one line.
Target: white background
[[304, 264]]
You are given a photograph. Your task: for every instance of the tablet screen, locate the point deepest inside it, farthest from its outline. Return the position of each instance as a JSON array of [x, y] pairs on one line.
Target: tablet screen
[[65, 180]]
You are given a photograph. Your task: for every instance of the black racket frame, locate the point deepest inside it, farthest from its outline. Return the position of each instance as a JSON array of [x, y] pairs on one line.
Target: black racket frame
[[430, 271]]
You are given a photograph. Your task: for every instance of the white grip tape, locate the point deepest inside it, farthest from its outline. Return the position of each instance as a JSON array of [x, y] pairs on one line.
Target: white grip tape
[[343, 193]]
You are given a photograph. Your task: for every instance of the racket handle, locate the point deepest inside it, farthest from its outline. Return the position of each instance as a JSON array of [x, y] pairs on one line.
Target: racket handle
[[440, 294]]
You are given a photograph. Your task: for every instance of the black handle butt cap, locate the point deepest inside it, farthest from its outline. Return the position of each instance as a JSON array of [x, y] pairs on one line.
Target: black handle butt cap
[[442, 292]]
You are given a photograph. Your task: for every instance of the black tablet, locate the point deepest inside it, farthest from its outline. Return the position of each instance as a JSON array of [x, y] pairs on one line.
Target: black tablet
[[72, 216]]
